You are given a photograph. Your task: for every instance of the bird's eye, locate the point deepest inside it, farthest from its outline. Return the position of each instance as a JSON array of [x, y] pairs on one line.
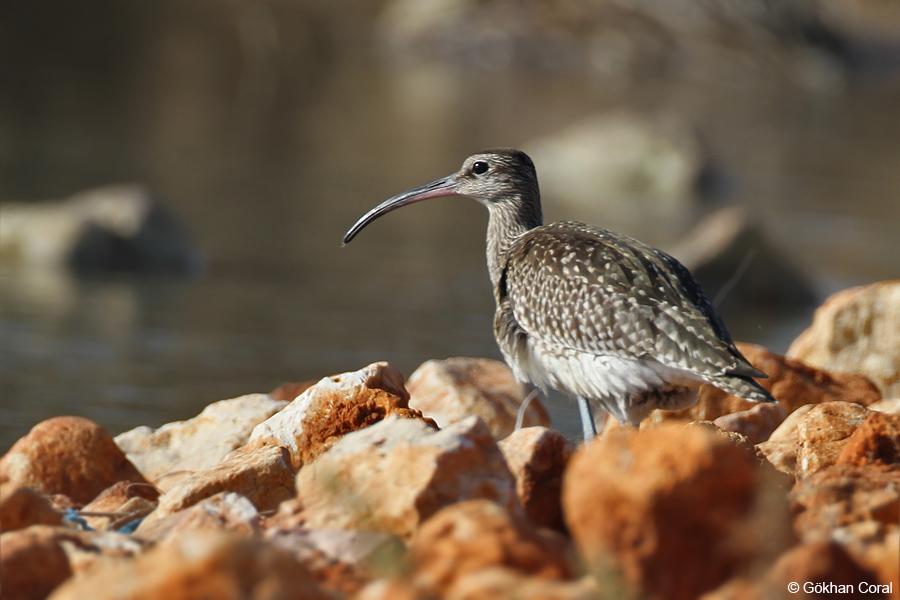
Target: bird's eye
[[480, 167]]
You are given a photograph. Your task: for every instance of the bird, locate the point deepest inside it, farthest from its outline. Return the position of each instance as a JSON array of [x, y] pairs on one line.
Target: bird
[[597, 315]]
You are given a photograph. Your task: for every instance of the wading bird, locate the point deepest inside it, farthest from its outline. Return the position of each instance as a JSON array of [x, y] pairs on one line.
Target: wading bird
[[594, 314]]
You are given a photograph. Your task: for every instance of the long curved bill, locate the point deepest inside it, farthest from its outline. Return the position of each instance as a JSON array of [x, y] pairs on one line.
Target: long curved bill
[[445, 186]]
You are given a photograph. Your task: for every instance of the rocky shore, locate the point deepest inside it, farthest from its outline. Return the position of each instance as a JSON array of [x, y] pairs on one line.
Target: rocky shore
[[368, 486]]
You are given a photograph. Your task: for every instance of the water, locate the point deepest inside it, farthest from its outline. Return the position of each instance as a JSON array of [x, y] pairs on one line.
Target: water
[[270, 150]]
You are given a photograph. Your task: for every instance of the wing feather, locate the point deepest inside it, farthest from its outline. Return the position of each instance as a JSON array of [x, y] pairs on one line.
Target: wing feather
[[590, 290]]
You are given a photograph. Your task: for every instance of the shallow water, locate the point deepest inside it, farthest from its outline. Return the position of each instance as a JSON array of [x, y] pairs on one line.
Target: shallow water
[[271, 153]]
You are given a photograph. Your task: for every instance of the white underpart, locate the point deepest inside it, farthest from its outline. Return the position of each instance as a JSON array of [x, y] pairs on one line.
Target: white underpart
[[611, 382]]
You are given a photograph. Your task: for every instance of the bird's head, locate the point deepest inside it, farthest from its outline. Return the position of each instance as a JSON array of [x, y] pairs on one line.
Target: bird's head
[[501, 179]]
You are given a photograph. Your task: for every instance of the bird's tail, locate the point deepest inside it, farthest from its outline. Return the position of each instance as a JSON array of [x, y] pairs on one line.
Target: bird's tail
[[743, 387]]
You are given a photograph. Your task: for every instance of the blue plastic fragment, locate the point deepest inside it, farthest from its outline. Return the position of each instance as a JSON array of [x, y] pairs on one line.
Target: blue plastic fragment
[[131, 525], [71, 515]]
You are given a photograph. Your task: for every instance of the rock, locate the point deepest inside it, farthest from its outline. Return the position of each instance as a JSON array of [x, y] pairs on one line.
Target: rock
[[334, 406], [841, 495], [781, 454], [790, 381], [876, 441], [740, 588], [787, 430], [123, 502], [471, 537], [812, 567], [795, 384], [875, 547], [615, 42], [176, 450], [730, 254], [341, 561], [34, 560], [823, 433], [67, 455], [475, 534], [87, 549], [756, 424], [262, 475], [890, 406], [289, 390], [655, 163], [782, 446], [495, 583], [21, 507], [393, 475], [114, 227], [822, 563], [537, 457], [643, 505], [226, 511], [857, 330], [452, 389], [205, 565]]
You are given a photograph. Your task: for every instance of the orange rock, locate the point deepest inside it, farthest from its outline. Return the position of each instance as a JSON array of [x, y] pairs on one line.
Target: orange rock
[[816, 568], [455, 388], [823, 432], [792, 382], [68, 455], [496, 583], [857, 330], [795, 383], [469, 536], [876, 547], [674, 510], [124, 502], [743, 588], [876, 441], [262, 475], [537, 457], [822, 563], [756, 424], [289, 390], [333, 407], [841, 495], [36, 559], [177, 450], [226, 511], [474, 536], [21, 507], [341, 561], [32, 562], [395, 474], [204, 565]]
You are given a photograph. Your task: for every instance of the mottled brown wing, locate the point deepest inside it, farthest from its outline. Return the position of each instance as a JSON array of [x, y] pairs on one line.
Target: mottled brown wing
[[587, 289]]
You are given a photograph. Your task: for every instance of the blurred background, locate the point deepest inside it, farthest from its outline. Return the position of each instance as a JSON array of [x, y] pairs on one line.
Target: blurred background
[[176, 177]]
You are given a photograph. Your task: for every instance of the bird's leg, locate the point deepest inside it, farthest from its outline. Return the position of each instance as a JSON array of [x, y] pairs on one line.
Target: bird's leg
[[520, 414], [587, 419]]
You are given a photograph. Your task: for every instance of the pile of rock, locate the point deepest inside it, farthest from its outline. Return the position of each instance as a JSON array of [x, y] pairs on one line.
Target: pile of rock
[[369, 487]]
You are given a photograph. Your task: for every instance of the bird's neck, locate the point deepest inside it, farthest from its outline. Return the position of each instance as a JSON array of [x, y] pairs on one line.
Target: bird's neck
[[506, 224]]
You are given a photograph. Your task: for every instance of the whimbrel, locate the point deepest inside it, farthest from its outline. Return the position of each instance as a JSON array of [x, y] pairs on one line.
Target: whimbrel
[[594, 314]]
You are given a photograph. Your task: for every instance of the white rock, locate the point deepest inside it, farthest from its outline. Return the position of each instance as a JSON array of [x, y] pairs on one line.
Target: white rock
[[184, 447]]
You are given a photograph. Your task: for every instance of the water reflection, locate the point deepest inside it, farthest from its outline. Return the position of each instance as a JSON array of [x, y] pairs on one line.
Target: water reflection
[[269, 127]]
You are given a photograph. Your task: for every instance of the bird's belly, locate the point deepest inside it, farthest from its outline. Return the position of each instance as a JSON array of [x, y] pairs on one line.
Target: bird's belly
[[627, 387]]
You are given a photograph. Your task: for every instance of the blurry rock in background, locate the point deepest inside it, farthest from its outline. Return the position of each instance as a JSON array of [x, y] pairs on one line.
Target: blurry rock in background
[[857, 330], [623, 160], [735, 262], [117, 227], [628, 39]]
